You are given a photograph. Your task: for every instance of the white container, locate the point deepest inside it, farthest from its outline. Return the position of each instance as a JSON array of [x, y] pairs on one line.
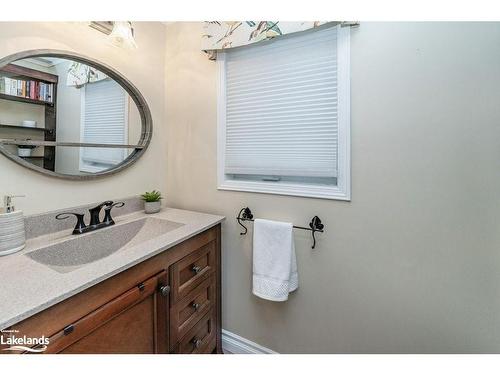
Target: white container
[[29, 124], [12, 232], [152, 207], [24, 151]]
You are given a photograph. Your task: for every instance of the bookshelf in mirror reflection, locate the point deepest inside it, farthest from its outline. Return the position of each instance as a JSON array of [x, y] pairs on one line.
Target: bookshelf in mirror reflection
[[33, 87]]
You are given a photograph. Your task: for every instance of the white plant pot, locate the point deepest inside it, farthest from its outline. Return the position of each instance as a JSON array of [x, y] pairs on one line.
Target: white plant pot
[[152, 207], [24, 151]]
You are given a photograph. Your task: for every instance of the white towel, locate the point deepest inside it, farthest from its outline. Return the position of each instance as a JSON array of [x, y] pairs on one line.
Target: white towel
[[274, 262]]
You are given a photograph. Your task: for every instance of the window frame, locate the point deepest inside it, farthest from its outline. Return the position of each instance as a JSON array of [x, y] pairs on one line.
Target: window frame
[[342, 191]]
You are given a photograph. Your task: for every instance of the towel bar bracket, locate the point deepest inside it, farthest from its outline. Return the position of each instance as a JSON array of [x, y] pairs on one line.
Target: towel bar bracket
[[315, 225], [244, 215]]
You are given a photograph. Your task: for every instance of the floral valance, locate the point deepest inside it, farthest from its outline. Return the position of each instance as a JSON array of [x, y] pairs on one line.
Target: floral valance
[[220, 35], [80, 74]]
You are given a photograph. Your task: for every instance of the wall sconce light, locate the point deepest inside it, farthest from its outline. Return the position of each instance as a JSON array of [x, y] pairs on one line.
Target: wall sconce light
[[120, 33]]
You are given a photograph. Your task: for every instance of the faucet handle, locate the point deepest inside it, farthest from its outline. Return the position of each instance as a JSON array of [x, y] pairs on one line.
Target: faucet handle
[[80, 225], [67, 214], [116, 204], [107, 212]]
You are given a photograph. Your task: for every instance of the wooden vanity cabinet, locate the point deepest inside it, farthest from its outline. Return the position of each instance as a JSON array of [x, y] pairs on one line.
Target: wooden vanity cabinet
[[167, 304]]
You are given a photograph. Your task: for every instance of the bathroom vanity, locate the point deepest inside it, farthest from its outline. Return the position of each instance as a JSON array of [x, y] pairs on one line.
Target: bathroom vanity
[[157, 293], [138, 284]]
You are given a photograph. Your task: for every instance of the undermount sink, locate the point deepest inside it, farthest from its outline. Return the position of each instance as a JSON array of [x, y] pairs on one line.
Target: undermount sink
[[76, 252]]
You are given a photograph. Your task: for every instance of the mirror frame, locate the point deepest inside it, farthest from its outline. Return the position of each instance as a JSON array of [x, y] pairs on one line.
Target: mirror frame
[[135, 94]]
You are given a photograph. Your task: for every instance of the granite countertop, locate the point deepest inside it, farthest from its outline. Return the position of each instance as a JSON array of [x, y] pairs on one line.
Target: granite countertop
[[28, 287]]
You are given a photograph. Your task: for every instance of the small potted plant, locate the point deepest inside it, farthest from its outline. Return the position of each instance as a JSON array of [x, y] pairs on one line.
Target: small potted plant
[[152, 202]]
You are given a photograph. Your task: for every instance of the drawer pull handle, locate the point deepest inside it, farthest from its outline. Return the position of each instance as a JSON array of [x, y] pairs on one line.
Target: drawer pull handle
[[195, 306], [69, 329], [196, 343], [196, 269], [165, 290]]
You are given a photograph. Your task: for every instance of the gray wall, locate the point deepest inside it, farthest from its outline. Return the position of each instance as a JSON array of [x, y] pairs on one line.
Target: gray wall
[[412, 263]]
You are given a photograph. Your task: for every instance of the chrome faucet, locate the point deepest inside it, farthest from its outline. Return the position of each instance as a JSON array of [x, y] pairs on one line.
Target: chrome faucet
[[95, 221]]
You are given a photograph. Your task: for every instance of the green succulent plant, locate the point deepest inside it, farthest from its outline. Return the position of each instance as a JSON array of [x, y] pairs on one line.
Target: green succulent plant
[[151, 196]]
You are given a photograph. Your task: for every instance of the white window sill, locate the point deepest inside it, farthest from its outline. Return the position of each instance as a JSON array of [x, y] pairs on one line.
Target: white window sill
[[297, 190]]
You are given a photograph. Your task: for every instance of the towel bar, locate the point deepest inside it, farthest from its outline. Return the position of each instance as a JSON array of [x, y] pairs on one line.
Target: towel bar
[[315, 225]]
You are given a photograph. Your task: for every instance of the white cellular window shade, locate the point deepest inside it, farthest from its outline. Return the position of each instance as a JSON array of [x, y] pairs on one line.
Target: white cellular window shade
[[283, 116], [281, 107], [104, 120]]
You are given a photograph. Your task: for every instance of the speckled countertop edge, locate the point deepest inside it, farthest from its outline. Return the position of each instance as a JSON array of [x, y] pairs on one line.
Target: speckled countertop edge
[[28, 287]]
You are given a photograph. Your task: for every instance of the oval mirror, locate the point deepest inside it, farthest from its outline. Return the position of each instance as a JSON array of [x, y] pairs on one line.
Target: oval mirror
[[68, 116]]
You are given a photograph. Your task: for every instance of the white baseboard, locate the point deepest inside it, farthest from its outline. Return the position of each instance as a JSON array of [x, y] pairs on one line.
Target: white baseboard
[[232, 343]]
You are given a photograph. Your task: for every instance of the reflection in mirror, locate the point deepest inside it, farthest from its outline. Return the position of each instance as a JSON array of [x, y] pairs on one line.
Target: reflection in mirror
[[51, 99], [84, 160]]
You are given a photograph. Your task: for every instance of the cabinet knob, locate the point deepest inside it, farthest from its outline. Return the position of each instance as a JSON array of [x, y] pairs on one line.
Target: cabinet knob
[[195, 306], [165, 290], [196, 269], [196, 342]]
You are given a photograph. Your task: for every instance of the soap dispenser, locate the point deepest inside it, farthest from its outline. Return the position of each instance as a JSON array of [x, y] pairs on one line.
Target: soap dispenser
[[12, 232]]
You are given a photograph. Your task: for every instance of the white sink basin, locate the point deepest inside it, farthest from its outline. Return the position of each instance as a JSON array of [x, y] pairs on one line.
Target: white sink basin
[[83, 249]]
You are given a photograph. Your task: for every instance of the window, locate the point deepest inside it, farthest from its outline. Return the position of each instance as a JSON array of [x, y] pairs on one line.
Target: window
[[283, 116], [104, 120]]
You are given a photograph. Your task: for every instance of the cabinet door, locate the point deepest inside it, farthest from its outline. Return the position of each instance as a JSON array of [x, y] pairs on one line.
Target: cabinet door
[[134, 322]]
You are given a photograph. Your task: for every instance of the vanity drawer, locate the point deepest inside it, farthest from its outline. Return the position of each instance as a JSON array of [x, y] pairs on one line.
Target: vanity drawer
[[185, 313], [199, 339], [190, 271]]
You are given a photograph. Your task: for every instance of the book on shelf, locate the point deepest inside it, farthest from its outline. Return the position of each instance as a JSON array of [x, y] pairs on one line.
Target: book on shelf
[[35, 90]]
